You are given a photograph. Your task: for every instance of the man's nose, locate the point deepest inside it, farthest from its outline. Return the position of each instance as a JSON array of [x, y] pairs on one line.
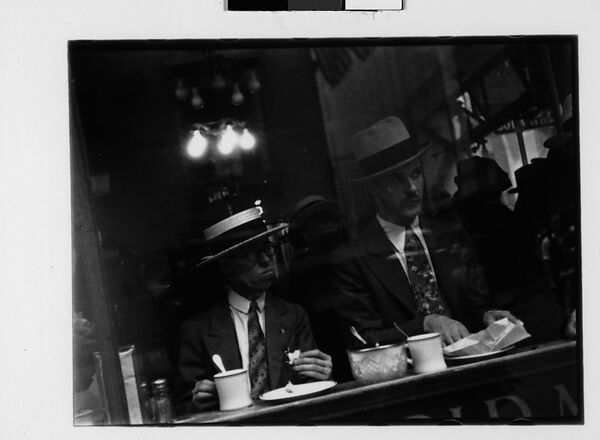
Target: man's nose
[[411, 185], [264, 259]]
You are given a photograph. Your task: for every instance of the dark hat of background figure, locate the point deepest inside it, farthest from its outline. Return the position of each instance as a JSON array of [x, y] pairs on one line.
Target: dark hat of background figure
[[564, 139], [307, 210], [234, 229], [531, 176], [385, 146], [478, 176]]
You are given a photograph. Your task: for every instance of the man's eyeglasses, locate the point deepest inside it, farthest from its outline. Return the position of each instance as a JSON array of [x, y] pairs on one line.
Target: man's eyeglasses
[[253, 254]]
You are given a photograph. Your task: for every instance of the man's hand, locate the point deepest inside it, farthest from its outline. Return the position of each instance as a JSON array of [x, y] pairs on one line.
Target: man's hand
[[313, 364], [492, 316], [205, 395], [450, 329]]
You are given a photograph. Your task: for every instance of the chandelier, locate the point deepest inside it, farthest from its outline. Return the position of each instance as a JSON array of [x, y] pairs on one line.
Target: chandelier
[[221, 138]]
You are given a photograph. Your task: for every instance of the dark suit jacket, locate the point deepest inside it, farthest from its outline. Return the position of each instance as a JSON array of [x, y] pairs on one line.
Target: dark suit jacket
[[212, 331], [372, 291]]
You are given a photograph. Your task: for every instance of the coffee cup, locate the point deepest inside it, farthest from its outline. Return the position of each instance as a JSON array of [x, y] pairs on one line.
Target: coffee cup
[[233, 388], [426, 352]]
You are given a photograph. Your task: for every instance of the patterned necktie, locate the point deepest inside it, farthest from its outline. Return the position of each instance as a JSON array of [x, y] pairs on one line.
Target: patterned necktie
[[259, 373], [422, 279]]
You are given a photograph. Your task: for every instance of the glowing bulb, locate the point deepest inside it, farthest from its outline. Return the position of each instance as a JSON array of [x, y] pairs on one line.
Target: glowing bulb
[[253, 83], [197, 101], [181, 92], [197, 145], [247, 141], [237, 98], [229, 140]]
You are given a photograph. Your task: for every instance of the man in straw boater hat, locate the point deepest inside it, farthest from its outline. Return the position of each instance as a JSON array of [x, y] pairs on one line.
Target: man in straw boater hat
[[405, 269], [250, 328]]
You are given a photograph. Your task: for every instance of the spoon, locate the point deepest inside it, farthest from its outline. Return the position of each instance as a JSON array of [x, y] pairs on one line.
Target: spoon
[[400, 330], [218, 362], [356, 335]]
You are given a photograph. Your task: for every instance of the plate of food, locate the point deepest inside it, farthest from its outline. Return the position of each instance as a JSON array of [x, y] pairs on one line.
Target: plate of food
[[475, 357], [292, 392]]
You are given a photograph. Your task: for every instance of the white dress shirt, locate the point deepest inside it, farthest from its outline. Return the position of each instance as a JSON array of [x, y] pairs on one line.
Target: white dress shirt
[[239, 308], [397, 236]]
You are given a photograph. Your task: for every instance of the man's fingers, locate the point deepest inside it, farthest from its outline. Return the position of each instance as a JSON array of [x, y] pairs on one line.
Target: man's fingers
[[203, 397], [311, 360], [314, 375], [463, 332], [316, 353], [311, 367]]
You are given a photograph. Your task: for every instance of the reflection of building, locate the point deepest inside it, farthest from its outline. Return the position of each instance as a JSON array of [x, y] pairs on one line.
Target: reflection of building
[[499, 101]]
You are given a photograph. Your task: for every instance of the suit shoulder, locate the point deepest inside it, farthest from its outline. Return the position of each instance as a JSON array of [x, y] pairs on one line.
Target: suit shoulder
[[201, 319]]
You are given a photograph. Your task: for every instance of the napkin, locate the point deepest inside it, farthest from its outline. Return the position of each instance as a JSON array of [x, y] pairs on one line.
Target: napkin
[[497, 336]]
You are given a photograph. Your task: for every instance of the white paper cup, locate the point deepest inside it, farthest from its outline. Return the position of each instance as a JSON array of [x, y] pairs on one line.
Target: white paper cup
[[426, 352], [233, 388]]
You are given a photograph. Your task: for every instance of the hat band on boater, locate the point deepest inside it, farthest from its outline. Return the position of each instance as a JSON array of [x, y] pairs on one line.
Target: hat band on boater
[[395, 154]]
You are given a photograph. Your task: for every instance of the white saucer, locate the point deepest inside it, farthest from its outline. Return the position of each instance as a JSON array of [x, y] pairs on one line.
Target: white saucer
[[281, 395]]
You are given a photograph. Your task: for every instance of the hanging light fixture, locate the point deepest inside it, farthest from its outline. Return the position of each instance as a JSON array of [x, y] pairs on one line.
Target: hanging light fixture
[[228, 142], [181, 91], [197, 145], [197, 101], [237, 97], [253, 83], [247, 140]]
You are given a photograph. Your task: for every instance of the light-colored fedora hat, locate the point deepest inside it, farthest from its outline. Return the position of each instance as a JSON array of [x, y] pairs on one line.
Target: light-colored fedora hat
[[236, 231], [385, 146]]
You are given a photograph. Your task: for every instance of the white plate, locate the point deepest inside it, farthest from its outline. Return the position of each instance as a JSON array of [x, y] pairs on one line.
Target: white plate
[[280, 395], [477, 357]]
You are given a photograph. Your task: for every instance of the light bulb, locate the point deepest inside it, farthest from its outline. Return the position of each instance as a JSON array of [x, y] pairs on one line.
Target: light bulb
[[253, 83], [229, 140], [197, 101], [218, 82], [196, 147], [181, 92], [237, 98], [247, 141]]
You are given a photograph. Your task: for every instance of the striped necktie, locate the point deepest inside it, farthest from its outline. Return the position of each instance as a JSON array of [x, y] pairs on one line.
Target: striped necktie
[[257, 354], [421, 276]]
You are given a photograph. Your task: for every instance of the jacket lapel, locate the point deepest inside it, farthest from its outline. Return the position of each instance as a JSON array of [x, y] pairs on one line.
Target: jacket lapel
[[277, 327], [222, 338], [381, 259]]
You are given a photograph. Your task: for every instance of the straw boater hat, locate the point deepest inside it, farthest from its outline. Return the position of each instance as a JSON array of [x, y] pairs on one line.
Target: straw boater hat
[[385, 146], [236, 231]]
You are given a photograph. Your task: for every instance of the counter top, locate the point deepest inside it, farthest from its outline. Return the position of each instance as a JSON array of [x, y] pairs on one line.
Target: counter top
[[348, 398]]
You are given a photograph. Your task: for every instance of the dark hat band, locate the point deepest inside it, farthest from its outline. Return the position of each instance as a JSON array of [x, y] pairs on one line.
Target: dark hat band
[[395, 154]]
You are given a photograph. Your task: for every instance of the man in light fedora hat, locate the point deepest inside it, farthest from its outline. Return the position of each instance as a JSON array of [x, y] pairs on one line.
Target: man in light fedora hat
[[249, 328], [405, 269]]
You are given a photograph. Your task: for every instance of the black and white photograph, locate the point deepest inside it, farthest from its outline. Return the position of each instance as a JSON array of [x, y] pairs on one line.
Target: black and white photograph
[[341, 219], [326, 232]]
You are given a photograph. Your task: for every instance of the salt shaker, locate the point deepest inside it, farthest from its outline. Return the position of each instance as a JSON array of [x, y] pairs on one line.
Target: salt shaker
[[161, 402]]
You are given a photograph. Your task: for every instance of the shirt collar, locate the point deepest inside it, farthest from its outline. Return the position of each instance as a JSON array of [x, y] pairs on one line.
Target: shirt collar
[[396, 234], [242, 304], [393, 227]]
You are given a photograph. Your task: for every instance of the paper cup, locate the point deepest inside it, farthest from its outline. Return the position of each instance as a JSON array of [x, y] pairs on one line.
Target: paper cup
[[426, 352], [233, 388]]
